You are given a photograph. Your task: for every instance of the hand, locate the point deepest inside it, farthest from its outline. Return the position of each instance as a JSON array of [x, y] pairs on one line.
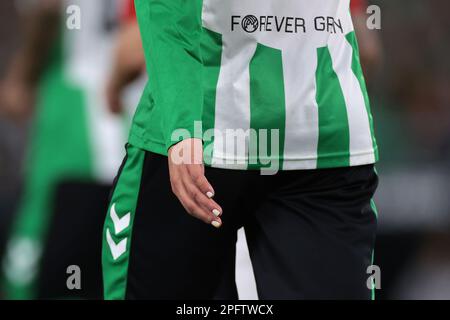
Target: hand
[[128, 65], [16, 100], [189, 184], [113, 97]]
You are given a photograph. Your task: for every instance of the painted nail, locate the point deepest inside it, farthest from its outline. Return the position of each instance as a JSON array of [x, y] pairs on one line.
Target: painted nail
[[209, 194], [216, 212], [216, 224]]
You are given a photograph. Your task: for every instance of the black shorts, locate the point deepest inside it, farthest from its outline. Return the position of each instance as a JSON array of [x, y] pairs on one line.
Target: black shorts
[[73, 240], [310, 234]]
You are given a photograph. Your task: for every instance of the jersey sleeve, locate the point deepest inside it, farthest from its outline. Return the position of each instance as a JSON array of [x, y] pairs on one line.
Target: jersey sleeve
[[128, 11], [171, 31], [357, 5]]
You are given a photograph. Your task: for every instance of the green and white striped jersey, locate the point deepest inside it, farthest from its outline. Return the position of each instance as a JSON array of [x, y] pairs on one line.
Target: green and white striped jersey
[[74, 136], [257, 80]]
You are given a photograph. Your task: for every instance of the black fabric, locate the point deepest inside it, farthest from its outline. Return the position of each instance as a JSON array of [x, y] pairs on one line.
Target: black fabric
[[74, 238], [310, 234]]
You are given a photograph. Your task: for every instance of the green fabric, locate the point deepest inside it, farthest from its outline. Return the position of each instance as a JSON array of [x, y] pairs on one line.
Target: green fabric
[[357, 70], [375, 211], [334, 137], [59, 149], [212, 59], [267, 106], [373, 284], [171, 34], [124, 201]]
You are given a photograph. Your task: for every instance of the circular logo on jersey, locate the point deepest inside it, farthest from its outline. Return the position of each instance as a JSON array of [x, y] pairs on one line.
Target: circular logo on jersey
[[250, 23]]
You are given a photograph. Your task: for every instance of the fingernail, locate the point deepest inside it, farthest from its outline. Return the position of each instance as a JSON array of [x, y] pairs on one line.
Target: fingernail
[[216, 224], [209, 194], [216, 212]]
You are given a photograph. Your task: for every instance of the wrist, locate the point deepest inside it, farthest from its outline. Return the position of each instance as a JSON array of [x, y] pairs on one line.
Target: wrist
[[188, 151]]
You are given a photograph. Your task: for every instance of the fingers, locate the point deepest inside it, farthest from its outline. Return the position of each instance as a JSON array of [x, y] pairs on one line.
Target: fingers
[[201, 189], [190, 184], [197, 174], [193, 207], [194, 200], [202, 200]]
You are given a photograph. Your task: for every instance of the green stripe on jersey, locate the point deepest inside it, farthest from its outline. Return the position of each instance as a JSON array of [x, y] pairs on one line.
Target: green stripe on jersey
[[334, 136], [118, 225], [267, 108], [357, 70], [212, 60]]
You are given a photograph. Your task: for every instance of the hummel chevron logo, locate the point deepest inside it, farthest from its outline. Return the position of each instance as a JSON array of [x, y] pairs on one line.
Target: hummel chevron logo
[[116, 249], [120, 224]]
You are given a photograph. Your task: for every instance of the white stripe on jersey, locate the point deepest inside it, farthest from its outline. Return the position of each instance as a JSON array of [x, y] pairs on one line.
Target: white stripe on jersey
[[233, 97], [302, 122]]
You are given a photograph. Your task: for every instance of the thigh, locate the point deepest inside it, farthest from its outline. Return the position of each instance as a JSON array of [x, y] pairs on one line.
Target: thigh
[[313, 237], [164, 253], [74, 238]]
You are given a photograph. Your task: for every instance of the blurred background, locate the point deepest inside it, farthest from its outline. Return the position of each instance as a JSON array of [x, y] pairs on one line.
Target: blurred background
[[408, 74], [411, 104]]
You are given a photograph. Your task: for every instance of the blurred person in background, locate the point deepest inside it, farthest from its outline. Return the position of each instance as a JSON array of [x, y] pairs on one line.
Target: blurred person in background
[[129, 62], [58, 75], [12, 135]]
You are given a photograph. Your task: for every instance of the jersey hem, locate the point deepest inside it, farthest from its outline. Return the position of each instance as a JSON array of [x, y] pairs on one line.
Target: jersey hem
[[147, 144], [296, 164], [289, 164]]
